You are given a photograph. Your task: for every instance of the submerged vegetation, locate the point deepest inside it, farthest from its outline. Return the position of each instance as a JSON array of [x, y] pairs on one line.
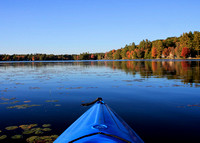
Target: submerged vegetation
[[187, 45]]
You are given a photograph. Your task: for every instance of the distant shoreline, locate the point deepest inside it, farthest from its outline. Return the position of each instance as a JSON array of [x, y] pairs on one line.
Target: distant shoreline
[[187, 59]]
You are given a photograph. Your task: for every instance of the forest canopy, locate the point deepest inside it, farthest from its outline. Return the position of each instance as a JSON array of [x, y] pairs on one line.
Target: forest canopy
[[185, 46]]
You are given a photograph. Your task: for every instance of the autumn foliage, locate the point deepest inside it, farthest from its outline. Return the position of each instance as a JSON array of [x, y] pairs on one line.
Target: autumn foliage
[[154, 52], [165, 52], [185, 52]]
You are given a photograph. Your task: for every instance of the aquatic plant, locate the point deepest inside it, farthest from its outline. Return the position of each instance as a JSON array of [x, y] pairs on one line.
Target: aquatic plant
[[46, 139], [7, 99], [46, 125], [26, 132], [51, 101], [23, 106], [32, 139], [11, 128], [3, 137], [38, 132], [17, 137], [27, 101], [10, 102], [46, 129], [74, 88], [27, 127], [34, 87]]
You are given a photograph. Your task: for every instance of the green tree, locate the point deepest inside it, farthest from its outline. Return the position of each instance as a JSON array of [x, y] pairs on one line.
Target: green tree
[[196, 42], [117, 54]]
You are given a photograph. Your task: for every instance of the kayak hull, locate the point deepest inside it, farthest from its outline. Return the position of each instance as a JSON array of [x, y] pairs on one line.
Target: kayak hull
[[99, 124]]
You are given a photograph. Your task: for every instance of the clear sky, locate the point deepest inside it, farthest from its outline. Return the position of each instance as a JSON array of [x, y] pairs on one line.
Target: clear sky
[[76, 26]]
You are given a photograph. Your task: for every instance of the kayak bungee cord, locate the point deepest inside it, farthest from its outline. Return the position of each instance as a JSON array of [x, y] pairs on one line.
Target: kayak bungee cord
[[93, 102]]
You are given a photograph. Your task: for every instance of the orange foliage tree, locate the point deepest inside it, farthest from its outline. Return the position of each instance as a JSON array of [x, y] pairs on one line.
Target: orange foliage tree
[[128, 55], [154, 52]]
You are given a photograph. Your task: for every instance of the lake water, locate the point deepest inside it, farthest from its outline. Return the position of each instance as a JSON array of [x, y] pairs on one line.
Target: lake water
[[159, 99]]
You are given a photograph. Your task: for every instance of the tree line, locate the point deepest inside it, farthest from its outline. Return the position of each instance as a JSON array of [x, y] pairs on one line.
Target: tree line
[[185, 46]]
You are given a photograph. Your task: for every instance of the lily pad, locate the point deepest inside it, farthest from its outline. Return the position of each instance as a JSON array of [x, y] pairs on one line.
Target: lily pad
[[27, 127], [46, 129], [4, 103], [74, 88], [27, 101], [17, 137], [7, 99], [51, 101], [14, 102], [46, 139], [54, 136], [32, 139], [3, 137], [39, 132], [46, 125], [23, 106], [27, 132], [11, 128]]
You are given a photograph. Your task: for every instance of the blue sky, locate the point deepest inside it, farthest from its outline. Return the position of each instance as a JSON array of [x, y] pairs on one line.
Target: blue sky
[[76, 26]]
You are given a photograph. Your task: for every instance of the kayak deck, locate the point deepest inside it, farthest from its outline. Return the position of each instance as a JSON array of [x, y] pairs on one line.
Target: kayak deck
[[99, 124]]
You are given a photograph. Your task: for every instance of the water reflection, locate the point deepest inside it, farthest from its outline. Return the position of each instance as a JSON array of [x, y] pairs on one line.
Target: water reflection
[[186, 70]]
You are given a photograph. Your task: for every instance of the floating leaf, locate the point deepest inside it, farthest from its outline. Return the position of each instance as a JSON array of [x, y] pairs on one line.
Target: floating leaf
[[46, 139], [17, 137], [26, 132], [0, 131], [34, 88], [51, 101], [74, 88], [46, 129], [5, 103], [46, 125], [32, 139], [14, 102], [57, 105], [54, 136], [27, 101], [7, 99], [23, 106], [3, 137], [27, 127], [38, 132], [11, 128]]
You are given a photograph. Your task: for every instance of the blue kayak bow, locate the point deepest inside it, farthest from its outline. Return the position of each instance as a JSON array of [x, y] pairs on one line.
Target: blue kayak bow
[[100, 125]]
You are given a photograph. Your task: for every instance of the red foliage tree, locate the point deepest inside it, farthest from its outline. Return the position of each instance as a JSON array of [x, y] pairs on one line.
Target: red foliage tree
[[154, 52], [185, 52], [92, 56]]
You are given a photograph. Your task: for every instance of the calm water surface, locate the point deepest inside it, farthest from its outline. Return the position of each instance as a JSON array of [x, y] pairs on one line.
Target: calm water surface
[[160, 100]]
